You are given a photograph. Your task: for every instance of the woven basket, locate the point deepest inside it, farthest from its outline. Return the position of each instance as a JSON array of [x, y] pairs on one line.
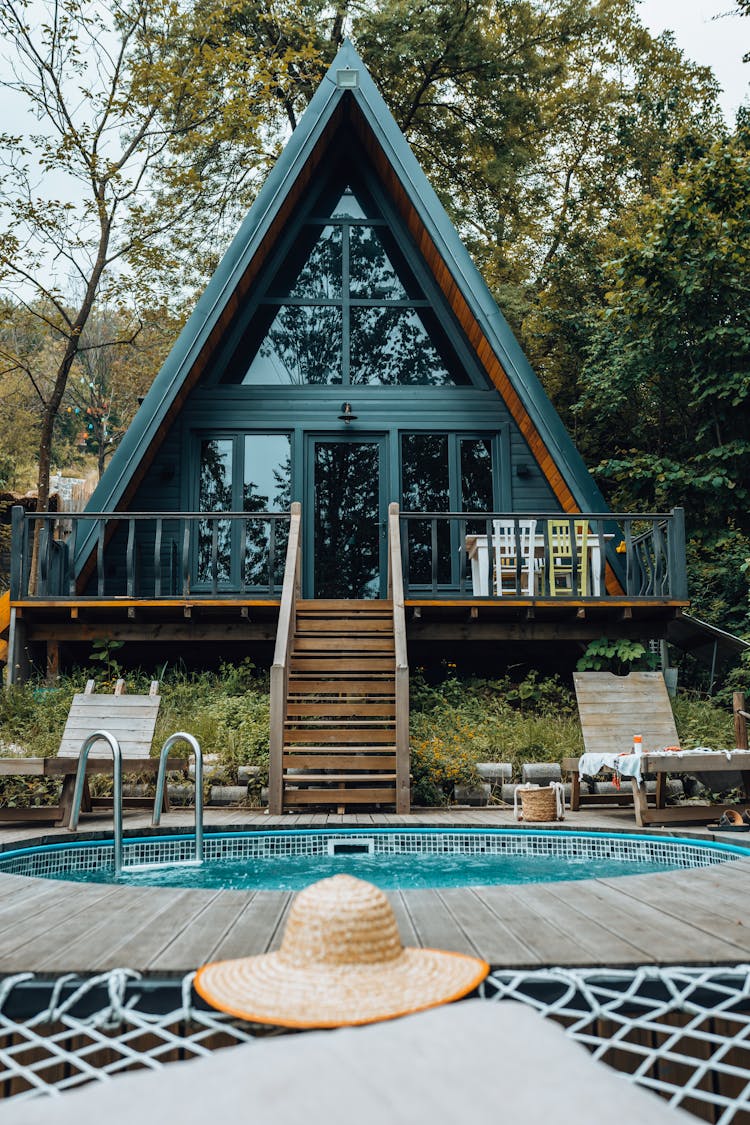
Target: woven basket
[[539, 804]]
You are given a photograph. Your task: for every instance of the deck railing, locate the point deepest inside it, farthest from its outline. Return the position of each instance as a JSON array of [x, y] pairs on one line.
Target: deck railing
[[396, 595], [280, 668], [497, 554], [57, 555]]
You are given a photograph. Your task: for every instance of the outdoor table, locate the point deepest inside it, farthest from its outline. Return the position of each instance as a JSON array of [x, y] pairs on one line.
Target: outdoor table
[[660, 764], [477, 548], [686, 761]]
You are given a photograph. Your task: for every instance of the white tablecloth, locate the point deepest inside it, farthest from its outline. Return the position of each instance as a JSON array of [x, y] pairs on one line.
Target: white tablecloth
[[629, 765]]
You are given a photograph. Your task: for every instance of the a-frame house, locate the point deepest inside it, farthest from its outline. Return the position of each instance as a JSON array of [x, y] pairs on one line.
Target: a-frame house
[[346, 402]]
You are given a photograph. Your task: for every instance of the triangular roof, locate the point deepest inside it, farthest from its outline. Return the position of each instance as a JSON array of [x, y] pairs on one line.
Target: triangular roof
[[473, 304]]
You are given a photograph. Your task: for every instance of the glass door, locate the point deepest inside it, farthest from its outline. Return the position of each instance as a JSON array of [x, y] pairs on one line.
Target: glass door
[[347, 518]]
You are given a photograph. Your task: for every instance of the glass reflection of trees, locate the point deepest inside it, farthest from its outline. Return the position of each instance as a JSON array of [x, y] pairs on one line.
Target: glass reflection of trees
[[268, 460], [426, 488], [347, 520], [346, 308], [215, 495], [266, 487]]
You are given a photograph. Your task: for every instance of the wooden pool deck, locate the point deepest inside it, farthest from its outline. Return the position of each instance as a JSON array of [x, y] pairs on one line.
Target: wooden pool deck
[[694, 917]]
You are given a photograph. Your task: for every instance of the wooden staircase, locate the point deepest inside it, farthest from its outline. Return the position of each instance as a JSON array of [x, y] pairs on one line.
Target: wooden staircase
[[340, 731], [339, 694]]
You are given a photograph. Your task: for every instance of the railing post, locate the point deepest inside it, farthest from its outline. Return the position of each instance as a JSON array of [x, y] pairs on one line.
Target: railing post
[[280, 666], [396, 590], [161, 780], [740, 720], [17, 559], [75, 811], [677, 555]]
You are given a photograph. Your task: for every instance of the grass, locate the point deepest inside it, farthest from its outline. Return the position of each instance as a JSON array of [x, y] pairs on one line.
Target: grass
[[454, 724]]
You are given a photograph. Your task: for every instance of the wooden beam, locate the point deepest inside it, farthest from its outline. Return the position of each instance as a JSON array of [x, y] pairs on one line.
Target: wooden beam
[[154, 631], [528, 630]]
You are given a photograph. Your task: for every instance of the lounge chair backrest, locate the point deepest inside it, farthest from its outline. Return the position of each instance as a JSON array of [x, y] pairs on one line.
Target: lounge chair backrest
[[130, 718], [614, 708]]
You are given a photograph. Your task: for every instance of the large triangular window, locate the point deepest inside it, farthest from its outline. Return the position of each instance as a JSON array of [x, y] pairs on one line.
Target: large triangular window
[[345, 307]]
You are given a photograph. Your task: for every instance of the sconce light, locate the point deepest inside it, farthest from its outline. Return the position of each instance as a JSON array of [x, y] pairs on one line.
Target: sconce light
[[346, 414], [523, 470]]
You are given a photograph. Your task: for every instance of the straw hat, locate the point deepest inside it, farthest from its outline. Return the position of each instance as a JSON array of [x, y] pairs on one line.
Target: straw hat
[[341, 962]]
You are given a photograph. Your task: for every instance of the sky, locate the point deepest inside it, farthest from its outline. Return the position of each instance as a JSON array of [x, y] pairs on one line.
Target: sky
[[718, 43]]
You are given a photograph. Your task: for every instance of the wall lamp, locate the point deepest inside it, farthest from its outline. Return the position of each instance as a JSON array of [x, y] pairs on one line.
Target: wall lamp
[[346, 414]]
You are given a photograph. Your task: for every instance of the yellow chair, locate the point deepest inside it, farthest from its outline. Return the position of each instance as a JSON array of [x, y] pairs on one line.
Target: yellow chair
[[567, 553]]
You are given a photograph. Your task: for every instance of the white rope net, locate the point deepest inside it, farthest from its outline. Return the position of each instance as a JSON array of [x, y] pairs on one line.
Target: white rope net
[[681, 1032]]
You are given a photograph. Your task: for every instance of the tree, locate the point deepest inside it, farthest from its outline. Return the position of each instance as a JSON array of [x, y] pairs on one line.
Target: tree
[[667, 382], [131, 134]]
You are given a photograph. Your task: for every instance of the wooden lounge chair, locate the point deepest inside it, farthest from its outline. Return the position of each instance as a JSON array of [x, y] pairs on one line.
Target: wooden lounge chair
[[130, 718], [612, 709]]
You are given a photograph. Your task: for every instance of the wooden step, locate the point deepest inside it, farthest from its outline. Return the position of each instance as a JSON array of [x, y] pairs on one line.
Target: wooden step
[[348, 687], [350, 711], [316, 624], [336, 778], [338, 748], [328, 607], [343, 667], [348, 734], [342, 644], [304, 723], [342, 796], [339, 761]]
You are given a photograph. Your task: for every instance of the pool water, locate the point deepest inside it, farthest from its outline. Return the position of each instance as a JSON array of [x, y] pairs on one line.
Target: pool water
[[390, 872], [394, 859]]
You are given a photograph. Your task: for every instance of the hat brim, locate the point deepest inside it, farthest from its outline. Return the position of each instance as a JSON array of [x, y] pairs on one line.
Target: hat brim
[[267, 989]]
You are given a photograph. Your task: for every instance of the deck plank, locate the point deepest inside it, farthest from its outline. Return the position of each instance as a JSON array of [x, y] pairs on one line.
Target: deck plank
[[255, 928], [155, 929], [486, 933], [436, 927], [201, 935], [689, 916]]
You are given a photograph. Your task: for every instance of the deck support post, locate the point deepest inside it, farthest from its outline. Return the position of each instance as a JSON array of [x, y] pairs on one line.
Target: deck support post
[[19, 662], [53, 662]]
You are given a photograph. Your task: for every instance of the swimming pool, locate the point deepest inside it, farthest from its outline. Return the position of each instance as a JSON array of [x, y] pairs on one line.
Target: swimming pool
[[392, 858]]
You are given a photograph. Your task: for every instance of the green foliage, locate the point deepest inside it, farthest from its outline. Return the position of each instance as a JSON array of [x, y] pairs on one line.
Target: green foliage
[[703, 722], [454, 725], [102, 652], [458, 723], [619, 656]]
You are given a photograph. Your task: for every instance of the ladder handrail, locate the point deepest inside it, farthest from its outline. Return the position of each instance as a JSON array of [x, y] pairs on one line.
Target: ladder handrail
[[75, 811], [182, 736], [396, 594], [280, 668]]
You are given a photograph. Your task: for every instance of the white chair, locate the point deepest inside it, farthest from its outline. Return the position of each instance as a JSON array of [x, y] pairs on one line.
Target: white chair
[[512, 542]]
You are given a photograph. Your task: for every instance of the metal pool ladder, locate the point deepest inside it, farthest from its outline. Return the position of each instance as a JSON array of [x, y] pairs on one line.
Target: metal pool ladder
[[181, 736], [114, 745]]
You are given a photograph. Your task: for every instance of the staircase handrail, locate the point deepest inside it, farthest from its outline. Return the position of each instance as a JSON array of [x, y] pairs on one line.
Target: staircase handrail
[[290, 592], [396, 595]]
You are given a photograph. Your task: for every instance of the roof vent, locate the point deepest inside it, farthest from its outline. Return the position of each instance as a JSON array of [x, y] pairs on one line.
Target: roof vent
[[347, 78]]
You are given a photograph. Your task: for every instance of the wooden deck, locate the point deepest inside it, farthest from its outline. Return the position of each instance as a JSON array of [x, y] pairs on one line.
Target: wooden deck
[[688, 917]]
